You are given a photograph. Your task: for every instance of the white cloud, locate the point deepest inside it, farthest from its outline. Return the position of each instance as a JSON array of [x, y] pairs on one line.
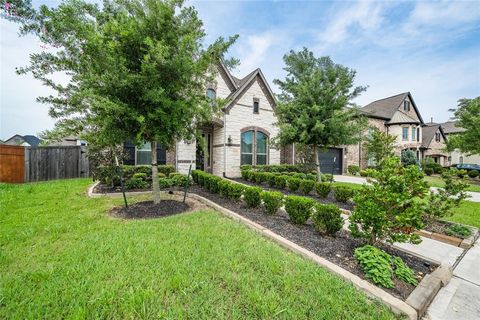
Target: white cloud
[[363, 16], [445, 13]]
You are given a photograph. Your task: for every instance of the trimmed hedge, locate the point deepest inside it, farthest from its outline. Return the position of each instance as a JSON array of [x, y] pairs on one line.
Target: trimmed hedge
[[281, 181], [272, 201], [327, 218], [323, 189], [343, 193], [251, 196], [110, 174], [299, 208], [353, 169], [293, 184], [306, 186]]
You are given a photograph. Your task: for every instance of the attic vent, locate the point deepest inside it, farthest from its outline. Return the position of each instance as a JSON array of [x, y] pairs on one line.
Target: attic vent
[[406, 105]]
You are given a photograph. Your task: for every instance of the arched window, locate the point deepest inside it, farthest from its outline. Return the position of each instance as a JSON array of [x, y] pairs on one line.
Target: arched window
[[254, 147], [211, 94]]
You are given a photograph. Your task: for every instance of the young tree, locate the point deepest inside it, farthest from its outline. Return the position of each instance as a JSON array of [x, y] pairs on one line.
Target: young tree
[[409, 158], [391, 207], [137, 70], [313, 106], [468, 115], [379, 145]]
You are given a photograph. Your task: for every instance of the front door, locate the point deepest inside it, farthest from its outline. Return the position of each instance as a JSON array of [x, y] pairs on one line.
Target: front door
[[204, 153]]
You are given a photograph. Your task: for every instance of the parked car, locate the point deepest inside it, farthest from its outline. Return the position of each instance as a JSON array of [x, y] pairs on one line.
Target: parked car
[[467, 166]]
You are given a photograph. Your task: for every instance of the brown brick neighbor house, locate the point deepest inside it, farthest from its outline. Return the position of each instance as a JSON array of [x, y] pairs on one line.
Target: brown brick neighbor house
[[397, 115]]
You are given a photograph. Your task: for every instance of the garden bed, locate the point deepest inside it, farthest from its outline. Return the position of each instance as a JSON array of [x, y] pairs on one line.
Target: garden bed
[[102, 188], [339, 249], [328, 200], [148, 209]]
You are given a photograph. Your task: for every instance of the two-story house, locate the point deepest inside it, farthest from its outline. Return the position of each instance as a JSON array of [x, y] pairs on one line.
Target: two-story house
[[451, 128], [241, 135], [399, 115]]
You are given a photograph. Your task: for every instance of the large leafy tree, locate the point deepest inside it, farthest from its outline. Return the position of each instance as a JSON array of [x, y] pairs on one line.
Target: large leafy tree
[[137, 70], [379, 145], [314, 103], [468, 116]]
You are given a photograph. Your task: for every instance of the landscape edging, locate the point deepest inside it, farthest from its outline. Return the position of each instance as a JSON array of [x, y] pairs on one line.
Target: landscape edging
[[396, 305]]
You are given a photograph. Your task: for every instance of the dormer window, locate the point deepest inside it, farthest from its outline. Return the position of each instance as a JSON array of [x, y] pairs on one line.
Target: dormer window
[[256, 105], [406, 105], [211, 94]]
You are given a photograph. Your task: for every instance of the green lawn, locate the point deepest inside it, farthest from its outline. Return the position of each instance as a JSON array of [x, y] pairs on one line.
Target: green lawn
[[61, 256], [468, 213], [438, 182]]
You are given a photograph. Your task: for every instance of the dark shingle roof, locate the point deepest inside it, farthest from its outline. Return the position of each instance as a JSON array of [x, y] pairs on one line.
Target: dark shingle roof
[[385, 108], [451, 127], [428, 132], [32, 140]]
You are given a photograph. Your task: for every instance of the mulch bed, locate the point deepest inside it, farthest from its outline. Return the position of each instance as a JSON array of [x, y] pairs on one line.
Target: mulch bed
[[147, 209], [439, 227], [339, 249], [101, 188], [329, 200]]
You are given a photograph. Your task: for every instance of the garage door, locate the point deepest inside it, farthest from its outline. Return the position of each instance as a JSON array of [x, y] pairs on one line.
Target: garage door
[[331, 160]]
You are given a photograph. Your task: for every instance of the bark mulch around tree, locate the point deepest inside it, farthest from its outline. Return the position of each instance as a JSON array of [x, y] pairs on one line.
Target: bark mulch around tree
[[339, 249], [147, 209]]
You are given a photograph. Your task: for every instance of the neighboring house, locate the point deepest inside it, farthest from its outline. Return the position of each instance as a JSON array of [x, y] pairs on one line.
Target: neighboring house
[[450, 128], [397, 115], [69, 141], [434, 143], [26, 141], [241, 135]]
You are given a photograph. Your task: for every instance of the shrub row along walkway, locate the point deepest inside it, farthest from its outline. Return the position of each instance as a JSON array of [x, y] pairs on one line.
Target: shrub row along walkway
[[474, 196], [460, 299]]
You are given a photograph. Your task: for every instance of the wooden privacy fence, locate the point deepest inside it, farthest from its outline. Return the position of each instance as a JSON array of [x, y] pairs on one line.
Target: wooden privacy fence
[[43, 163], [12, 164]]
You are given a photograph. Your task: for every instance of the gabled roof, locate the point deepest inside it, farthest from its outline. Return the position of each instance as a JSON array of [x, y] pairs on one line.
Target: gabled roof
[[428, 132], [245, 83], [451, 127], [402, 117], [31, 140], [387, 107]]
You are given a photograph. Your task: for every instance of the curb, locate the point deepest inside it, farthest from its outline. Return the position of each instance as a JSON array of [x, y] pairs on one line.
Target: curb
[[427, 289], [396, 305]]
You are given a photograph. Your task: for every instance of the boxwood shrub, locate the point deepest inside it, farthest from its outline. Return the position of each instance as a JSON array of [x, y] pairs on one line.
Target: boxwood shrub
[[323, 189], [235, 190], [270, 178], [343, 193], [281, 181], [165, 183], [272, 200], [306, 186], [293, 184], [299, 208], [251, 195], [327, 218]]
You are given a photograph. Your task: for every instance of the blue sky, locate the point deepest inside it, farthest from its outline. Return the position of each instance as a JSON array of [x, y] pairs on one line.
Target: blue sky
[[431, 49]]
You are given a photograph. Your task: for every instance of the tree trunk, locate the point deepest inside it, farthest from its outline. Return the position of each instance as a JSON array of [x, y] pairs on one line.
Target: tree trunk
[[317, 163], [155, 182]]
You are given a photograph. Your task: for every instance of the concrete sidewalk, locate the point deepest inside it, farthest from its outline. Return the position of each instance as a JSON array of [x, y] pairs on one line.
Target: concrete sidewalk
[[460, 299], [474, 196]]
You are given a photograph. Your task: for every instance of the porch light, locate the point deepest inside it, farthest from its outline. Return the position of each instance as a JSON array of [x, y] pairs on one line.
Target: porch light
[[229, 140]]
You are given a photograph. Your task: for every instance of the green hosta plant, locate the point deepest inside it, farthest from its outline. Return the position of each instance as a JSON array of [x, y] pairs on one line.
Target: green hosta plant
[[391, 207], [272, 200], [376, 265], [382, 267]]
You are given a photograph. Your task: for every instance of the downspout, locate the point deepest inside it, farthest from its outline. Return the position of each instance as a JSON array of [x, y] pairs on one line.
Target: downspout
[[224, 144]]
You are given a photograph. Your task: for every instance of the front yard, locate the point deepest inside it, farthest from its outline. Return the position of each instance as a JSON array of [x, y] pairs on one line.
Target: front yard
[[62, 256]]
